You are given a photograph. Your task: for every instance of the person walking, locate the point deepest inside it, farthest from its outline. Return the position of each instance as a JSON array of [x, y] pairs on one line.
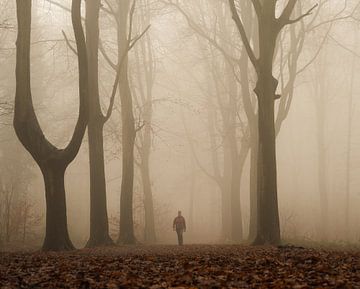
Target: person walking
[[179, 225]]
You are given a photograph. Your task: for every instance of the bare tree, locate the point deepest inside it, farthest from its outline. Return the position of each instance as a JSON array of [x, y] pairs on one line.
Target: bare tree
[[51, 160], [126, 234], [269, 28], [99, 226]]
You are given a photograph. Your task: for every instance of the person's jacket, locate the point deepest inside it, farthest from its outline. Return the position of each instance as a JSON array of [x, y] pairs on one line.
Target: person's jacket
[[179, 223]]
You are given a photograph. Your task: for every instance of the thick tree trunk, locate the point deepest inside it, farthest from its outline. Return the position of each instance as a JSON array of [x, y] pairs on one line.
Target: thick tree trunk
[[268, 225], [57, 236]]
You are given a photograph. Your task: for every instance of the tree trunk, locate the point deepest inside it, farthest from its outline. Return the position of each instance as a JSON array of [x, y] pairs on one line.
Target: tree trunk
[[269, 27], [26, 213], [253, 182], [126, 234], [268, 225], [8, 206], [99, 226], [349, 147], [226, 212], [236, 218], [237, 166], [57, 236], [149, 236]]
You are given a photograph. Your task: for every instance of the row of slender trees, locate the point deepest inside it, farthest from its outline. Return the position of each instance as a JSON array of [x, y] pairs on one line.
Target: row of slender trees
[[54, 161]]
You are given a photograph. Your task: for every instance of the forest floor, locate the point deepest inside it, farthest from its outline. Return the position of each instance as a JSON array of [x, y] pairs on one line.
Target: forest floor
[[189, 266]]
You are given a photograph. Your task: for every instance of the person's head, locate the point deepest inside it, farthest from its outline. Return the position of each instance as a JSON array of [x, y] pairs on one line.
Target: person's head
[[179, 213]]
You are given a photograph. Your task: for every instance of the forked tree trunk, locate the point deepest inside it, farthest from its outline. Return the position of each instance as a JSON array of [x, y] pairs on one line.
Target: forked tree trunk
[[51, 160]]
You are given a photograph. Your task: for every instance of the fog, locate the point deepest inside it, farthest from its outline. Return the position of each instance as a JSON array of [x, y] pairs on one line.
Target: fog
[[187, 64]]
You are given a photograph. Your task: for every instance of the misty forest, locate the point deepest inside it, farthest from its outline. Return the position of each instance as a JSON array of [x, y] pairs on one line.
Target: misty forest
[[180, 144]]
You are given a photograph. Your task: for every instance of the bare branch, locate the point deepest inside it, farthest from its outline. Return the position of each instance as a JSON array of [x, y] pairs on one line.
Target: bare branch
[[245, 39], [308, 13]]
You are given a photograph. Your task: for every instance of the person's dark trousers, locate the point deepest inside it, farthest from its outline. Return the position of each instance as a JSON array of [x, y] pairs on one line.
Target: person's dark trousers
[[180, 236]]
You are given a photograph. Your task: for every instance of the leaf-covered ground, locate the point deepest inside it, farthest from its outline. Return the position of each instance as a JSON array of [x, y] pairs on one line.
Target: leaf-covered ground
[[192, 266]]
